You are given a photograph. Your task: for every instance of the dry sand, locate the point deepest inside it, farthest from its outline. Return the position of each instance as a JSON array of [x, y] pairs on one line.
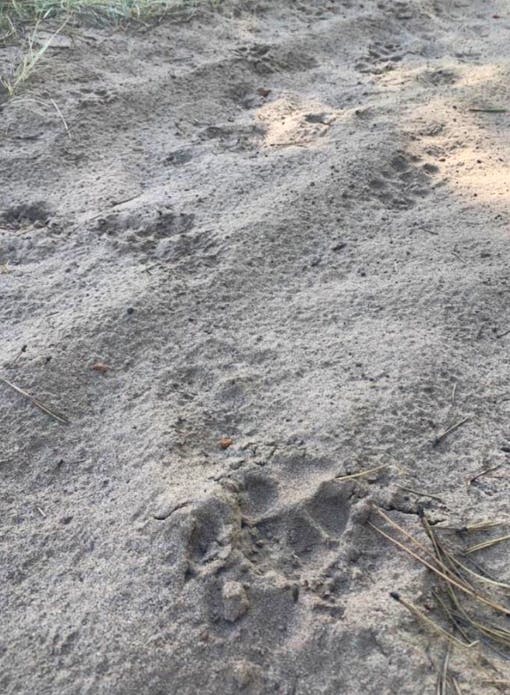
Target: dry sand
[[286, 224]]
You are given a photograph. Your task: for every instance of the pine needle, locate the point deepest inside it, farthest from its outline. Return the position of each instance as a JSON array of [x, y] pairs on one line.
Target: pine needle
[[433, 625], [444, 575], [35, 401], [486, 544], [350, 476]]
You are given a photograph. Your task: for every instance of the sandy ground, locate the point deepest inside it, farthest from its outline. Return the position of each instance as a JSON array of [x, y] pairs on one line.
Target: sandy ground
[[284, 225]]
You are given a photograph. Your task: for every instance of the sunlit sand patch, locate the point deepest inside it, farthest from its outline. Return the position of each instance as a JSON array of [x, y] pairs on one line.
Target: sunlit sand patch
[[460, 137], [481, 75], [484, 178], [477, 166], [442, 74], [294, 121]]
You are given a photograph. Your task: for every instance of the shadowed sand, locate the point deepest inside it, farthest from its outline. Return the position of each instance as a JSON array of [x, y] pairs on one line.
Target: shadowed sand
[[282, 224]]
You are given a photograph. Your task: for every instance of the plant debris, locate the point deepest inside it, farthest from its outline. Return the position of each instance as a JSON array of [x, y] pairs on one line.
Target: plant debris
[[39, 404]]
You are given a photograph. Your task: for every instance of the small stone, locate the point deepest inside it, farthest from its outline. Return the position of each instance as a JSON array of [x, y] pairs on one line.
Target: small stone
[[225, 442], [224, 553], [235, 601], [244, 673]]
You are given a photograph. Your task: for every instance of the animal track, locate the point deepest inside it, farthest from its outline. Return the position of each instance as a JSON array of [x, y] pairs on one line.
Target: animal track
[[264, 59], [254, 522], [291, 119], [260, 493], [439, 77], [28, 233], [288, 537], [38, 213], [401, 9], [329, 507], [214, 521], [399, 183], [147, 223], [255, 550], [380, 58], [95, 97], [179, 157], [248, 95], [233, 137], [159, 232]]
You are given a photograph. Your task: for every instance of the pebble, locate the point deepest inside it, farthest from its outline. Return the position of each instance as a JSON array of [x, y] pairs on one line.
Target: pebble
[[235, 601]]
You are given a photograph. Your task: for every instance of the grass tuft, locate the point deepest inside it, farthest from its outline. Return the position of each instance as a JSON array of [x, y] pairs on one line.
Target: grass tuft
[[20, 20], [14, 13], [28, 62]]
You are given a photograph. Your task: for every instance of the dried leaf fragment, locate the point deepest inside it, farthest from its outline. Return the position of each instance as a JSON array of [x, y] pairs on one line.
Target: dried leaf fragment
[[100, 367]]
